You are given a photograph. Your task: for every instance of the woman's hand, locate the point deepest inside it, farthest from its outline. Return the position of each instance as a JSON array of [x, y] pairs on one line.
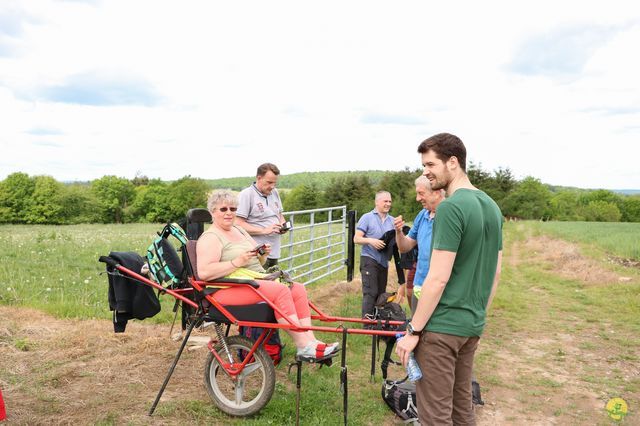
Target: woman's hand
[[244, 258], [267, 249]]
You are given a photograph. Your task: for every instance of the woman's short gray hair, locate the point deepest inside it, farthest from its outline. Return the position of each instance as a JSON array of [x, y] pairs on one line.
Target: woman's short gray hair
[[219, 196]]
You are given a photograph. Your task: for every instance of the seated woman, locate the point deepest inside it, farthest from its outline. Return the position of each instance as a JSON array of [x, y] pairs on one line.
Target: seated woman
[[224, 248]]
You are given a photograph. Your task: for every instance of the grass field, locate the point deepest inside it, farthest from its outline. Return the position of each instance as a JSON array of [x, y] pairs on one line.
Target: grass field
[[561, 340], [618, 239], [56, 268]]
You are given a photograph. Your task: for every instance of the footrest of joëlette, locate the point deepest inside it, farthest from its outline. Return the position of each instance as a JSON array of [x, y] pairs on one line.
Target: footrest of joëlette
[[325, 360]]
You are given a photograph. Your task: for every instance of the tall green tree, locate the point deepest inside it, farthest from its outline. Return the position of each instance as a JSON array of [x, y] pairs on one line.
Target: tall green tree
[[502, 184], [354, 191], [497, 185], [601, 211], [564, 205], [45, 204], [151, 202], [79, 204], [114, 194], [479, 177], [184, 194], [140, 180], [600, 195], [529, 200], [15, 195], [303, 197], [631, 208]]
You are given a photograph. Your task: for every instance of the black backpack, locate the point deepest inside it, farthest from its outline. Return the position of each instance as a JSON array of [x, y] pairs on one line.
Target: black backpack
[[386, 310], [400, 396]]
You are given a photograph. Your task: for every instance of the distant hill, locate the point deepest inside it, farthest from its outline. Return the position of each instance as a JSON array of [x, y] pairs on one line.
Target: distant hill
[[557, 188], [627, 191], [322, 179]]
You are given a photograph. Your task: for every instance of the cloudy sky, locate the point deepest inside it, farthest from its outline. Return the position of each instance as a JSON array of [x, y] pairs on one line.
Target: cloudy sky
[[212, 89]]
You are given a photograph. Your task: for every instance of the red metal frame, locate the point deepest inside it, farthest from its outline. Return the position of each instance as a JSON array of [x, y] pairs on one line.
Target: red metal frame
[[233, 369]]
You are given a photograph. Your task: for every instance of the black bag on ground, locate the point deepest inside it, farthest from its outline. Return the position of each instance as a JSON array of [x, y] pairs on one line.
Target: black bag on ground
[[475, 392], [400, 396]]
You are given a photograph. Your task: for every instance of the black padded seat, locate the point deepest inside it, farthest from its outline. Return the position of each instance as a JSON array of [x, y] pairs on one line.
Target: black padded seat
[[259, 312]]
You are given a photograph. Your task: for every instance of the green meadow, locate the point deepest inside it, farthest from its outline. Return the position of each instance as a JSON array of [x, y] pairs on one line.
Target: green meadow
[[617, 239]]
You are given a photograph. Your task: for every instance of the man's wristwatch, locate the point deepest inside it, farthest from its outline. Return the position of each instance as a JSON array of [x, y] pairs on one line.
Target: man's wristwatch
[[412, 331]]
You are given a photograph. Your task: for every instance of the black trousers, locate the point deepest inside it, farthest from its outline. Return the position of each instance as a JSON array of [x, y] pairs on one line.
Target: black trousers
[[374, 283]]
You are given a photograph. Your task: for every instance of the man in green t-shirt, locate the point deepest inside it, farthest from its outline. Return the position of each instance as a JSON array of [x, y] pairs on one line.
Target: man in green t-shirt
[[463, 276]]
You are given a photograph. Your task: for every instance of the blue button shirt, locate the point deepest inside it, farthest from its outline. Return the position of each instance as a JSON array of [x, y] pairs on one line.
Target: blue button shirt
[[373, 227], [422, 233]]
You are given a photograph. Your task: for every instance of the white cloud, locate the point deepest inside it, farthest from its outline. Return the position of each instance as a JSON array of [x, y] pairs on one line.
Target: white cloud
[[214, 89]]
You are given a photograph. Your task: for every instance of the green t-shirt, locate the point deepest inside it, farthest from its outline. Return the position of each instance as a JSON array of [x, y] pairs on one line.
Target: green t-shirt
[[468, 223]]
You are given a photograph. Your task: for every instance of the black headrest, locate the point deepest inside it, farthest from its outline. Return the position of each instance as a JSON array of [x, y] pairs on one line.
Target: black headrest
[[196, 218], [199, 216]]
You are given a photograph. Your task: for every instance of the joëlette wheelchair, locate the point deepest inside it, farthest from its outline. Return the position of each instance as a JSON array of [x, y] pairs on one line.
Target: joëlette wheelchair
[[239, 375]]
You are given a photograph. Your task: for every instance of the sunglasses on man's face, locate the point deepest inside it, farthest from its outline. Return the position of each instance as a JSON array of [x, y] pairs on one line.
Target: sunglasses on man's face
[[224, 209]]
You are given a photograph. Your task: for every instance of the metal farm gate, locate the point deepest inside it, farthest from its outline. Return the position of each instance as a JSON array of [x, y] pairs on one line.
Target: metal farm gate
[[319, 244]]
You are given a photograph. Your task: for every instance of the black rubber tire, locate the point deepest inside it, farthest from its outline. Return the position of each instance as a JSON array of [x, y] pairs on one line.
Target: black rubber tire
[[257, 380]]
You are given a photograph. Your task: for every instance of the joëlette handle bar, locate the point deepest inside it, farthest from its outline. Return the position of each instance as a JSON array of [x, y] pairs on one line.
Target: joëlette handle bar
[[201, 285]]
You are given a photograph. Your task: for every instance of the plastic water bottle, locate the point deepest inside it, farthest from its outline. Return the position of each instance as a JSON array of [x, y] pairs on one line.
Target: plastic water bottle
[[413, 369]]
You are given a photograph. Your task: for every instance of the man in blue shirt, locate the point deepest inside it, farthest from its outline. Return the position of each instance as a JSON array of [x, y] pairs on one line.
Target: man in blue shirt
[[374, 264], [421, 232]]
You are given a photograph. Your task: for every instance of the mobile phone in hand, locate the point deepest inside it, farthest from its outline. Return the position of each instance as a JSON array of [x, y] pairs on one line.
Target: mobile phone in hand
[[260, 249], [285, 227]]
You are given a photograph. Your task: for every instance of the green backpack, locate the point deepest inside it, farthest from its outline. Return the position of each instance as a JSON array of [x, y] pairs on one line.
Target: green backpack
[[165, 266]]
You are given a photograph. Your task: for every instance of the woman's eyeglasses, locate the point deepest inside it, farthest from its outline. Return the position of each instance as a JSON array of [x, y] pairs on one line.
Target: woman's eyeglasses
[[224, 209]]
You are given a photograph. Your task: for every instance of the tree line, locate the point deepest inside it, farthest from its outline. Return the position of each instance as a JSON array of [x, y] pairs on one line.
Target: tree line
[[112, 199]]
